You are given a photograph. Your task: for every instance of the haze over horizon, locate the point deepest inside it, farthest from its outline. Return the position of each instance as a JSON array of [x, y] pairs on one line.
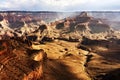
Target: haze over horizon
[[59, 5]]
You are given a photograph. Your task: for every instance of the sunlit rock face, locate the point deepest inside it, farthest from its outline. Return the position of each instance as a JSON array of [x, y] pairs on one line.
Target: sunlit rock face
[[18, 61]]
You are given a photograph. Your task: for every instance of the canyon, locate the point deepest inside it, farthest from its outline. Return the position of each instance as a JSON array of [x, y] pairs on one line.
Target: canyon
[[59, 46]]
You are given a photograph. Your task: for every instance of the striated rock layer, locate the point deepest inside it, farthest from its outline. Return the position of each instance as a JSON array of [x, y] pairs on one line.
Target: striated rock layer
[[20, 62]]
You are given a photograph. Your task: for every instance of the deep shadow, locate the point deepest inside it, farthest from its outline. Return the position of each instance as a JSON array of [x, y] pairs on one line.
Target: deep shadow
[[57, 70], [113, 57], [112, 75]]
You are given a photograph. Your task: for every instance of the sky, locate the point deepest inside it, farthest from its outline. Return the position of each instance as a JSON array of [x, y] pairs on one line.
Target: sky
[[60, 5]]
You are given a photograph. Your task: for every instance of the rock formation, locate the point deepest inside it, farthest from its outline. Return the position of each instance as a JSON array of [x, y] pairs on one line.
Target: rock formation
[[71, 28], [17, 63]]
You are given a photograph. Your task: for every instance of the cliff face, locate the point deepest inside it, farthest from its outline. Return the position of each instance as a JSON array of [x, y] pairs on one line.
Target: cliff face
[[81, 25], [84, 21], [18, 62]]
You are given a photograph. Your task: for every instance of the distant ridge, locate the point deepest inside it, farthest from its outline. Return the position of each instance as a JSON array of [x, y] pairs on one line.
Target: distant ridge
[[56, 11]]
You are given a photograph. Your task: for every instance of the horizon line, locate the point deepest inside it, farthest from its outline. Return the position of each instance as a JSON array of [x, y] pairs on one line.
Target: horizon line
[[37, 11]]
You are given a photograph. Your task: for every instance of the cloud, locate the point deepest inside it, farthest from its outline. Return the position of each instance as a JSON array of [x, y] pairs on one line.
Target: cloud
[[59, 5], [63, 3], [18, 5]]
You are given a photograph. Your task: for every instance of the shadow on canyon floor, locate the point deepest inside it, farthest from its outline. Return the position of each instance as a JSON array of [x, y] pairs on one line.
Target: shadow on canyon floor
[[57, 70], [112, 56], [112, 75]]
